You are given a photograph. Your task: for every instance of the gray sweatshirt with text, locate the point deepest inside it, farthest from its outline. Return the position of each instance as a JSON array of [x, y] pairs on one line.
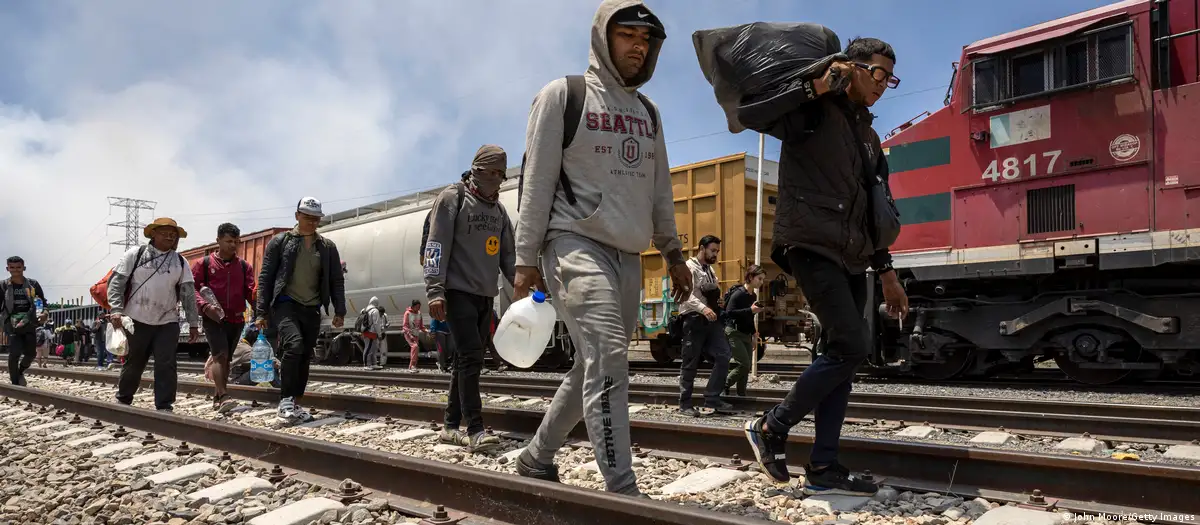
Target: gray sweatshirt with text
[[617, 164], [467, 248]]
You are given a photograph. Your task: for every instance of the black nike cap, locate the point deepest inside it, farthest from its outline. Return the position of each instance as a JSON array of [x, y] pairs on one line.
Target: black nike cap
[[638, 16]]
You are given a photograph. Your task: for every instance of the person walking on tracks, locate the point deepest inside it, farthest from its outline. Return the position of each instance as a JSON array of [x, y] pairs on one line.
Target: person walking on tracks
[[412, 325], [231, 280], [596, 190], [19, 316], [826, 235], [373, 333], [702, 331], [741, 304], [470, 244], [301, 275], [158, 280]]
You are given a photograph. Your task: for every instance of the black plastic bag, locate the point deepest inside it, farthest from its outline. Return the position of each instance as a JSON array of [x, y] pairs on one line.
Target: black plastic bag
[[755, 58]]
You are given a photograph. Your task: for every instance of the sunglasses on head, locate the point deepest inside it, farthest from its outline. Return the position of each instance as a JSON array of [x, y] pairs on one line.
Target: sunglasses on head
[[881, 75]]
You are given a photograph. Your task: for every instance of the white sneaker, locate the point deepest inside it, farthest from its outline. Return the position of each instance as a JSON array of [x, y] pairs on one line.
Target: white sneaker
[[287, 409], [300, 414]]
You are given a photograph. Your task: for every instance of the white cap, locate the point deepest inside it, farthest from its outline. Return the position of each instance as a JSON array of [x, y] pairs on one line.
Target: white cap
[[310, 206]]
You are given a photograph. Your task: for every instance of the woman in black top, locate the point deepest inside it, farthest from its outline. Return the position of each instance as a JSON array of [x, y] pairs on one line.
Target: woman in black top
[[739, 326]]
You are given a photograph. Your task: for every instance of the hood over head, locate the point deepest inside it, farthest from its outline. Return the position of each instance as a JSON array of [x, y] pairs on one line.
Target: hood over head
[[599, 61], [374, 302]]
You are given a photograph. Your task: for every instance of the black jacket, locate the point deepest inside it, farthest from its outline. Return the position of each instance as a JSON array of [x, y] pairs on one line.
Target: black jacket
[[737, 310], [6, 304], [279, 260], [823, 199]]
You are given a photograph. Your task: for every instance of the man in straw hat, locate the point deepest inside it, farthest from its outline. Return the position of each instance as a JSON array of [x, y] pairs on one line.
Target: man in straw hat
[[158, 280], [470, 243]]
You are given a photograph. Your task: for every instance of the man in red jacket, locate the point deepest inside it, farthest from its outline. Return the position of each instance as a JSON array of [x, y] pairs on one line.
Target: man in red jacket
[[232, 283]]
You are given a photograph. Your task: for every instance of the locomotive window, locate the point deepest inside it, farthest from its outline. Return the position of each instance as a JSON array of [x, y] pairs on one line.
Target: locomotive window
[[987, 82], [1029, 74], [1072, 67], [1113, 54]]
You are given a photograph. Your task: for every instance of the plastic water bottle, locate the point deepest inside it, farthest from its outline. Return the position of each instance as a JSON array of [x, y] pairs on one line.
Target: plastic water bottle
[[211, 299], [525, 329], [38, 304], [262, 366]]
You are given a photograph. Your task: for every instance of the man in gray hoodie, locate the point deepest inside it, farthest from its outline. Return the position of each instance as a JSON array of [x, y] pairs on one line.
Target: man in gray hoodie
[[590, 209], [470, 244]]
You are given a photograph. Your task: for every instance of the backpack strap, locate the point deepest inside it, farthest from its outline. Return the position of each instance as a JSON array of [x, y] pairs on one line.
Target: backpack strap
[[650, 109], [572, 114], [204, 262]]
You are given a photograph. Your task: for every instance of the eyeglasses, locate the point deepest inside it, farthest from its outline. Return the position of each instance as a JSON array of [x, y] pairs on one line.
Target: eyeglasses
[[880, 75]]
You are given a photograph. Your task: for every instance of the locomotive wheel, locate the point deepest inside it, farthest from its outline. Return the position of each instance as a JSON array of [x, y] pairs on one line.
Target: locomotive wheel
[[1097, 376], [955, 364]]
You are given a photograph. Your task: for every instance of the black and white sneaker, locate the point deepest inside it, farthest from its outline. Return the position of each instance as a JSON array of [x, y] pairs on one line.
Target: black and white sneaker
[[836, 479], [527, 467], [769, 450]]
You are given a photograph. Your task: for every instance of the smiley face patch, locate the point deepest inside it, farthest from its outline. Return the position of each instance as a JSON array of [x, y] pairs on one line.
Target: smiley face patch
[[492, 245]]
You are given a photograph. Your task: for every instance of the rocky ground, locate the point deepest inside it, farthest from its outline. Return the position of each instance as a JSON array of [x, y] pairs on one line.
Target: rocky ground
[[48, 480], [747, 493]]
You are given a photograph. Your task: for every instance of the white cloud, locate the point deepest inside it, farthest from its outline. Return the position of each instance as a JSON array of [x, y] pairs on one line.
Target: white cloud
[[226, 107]]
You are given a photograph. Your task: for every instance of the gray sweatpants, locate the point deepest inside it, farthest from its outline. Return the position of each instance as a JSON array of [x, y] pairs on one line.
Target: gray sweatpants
[[371, 352], [595, 290]]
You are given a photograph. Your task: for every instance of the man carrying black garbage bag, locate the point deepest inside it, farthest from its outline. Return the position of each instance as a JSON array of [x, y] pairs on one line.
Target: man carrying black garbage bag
[[827, 233]]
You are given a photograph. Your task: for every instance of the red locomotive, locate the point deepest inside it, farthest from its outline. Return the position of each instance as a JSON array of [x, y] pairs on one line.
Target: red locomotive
[[1051, 209]]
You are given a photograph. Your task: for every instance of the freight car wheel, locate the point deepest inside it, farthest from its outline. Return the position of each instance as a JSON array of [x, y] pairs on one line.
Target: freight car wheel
[[955, 364]]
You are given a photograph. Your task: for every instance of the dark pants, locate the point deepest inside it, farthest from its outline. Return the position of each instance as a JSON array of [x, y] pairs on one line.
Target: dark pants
[[297, 327], [470, 319], [102, 355], [703, 337], [742, 346], [445, 348], [222, 338], [838, 299], [22, 348], [161, 341]]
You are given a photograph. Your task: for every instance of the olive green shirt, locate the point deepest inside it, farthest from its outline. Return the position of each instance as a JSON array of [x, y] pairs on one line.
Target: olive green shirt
[[305, 285]]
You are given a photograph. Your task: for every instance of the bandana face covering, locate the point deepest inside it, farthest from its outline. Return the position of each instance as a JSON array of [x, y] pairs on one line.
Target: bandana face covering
[[487, 171]]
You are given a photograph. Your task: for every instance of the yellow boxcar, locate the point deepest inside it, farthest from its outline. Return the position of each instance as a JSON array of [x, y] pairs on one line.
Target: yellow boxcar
[[719, 197]]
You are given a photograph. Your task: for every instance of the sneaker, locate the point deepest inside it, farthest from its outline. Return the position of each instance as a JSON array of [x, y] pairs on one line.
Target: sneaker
[[21, 381], [691, 411], [836, 479], [301, 414], [454, 436], [527, 467], [719, 406], [287, 409], [769, 450], [483, 442]]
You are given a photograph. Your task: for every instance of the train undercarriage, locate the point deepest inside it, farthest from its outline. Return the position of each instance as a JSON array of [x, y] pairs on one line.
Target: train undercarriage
[[1098, 327]]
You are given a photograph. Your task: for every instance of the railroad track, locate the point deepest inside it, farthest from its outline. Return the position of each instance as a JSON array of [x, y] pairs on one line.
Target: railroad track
[[1080, 482], [478, 496], [1027, 417]]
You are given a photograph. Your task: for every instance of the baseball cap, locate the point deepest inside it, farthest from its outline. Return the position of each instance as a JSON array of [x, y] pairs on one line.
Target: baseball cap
[[310, 206], [639, 16]]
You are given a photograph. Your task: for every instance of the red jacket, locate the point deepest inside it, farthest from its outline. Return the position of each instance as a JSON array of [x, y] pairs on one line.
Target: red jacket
[[232, 282]]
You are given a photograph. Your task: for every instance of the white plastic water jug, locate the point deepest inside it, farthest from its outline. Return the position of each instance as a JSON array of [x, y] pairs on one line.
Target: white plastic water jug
[[525, 330]]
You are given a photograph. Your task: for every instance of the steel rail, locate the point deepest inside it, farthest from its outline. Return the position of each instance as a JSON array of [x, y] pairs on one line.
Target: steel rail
[[476, 491], [1126, 422], [1159, 486]]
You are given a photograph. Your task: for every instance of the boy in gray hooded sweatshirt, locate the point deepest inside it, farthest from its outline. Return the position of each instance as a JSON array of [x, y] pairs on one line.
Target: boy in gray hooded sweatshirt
[[590, 239]]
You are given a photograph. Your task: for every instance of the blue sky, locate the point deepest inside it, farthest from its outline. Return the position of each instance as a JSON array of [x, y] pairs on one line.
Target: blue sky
[[230, 110]]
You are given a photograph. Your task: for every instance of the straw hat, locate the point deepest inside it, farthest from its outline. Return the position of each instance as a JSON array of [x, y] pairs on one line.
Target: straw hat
[[164, 221]]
